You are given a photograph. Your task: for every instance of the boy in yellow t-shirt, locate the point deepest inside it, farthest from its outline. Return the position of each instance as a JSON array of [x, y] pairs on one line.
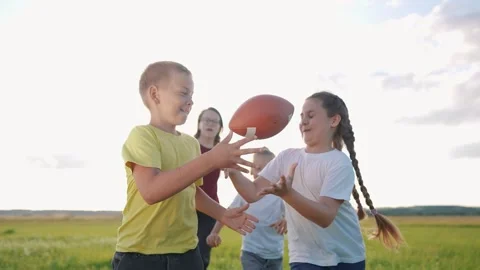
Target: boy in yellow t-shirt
[[164, 170]]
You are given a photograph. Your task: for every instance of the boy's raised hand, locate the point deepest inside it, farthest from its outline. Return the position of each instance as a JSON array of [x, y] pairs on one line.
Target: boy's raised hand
[[229, 155], [239, 221]]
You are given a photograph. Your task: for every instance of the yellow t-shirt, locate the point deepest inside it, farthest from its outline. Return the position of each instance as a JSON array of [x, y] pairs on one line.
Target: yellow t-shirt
[[169, 226]]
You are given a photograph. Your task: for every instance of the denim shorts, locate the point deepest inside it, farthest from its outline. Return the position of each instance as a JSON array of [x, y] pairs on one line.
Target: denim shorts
[[340, 266], [131, 260], [251, 261]]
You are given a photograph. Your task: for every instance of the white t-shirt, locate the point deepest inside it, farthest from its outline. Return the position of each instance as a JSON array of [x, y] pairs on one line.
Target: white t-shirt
[[323, 174], [264, 241]]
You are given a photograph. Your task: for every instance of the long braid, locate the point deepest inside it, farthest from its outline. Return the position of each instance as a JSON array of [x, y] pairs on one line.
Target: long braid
[[344, 133], [360, 211], [387, 232], [349, 139]]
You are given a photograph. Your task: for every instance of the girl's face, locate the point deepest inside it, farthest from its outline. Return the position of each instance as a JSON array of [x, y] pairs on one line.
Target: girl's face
[[315, 125], [209, 125]]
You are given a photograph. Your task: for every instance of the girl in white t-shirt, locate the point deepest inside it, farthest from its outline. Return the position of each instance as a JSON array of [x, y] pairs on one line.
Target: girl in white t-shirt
[[323, 228]]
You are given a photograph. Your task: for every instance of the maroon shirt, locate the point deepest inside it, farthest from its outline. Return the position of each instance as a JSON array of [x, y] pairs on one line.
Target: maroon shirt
[[210, 180]]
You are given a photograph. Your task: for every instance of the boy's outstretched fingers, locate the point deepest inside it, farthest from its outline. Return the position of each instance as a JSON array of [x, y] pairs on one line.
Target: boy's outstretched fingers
[[243, 208], [247, 151], [248, 226], [246, 163], [229, 155], [244, 141], [241, 222], [228, 137], [239, 168]]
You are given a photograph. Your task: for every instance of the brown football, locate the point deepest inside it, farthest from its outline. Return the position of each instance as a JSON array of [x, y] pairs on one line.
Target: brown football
[[264, 116]]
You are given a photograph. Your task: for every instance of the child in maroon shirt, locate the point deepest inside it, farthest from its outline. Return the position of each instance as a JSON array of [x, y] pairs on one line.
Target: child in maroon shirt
[[210, 125]]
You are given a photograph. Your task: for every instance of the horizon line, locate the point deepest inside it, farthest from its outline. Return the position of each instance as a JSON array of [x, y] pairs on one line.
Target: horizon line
[[366, 208]]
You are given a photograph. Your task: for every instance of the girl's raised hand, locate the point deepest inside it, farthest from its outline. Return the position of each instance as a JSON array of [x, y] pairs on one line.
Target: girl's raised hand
[[283, 186]]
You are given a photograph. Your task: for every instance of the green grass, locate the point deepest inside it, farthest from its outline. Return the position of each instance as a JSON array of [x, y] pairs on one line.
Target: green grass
[[433, 243]]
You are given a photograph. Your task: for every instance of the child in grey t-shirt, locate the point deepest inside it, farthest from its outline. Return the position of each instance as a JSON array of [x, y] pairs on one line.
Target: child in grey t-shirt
[[262, 248]]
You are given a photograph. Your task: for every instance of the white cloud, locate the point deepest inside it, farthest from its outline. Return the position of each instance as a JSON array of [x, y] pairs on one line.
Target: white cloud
[[461, 66], [471, 150], [56, 161], [394, 3]]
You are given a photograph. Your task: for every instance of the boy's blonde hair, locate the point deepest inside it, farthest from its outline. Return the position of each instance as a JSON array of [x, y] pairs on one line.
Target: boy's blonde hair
[[266, 153], [159, 73]]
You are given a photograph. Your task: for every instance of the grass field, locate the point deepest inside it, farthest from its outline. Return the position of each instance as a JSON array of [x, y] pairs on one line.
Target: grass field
[[433, 243]]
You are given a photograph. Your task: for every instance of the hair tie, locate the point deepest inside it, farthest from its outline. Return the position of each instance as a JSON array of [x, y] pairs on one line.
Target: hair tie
[[374, 212]]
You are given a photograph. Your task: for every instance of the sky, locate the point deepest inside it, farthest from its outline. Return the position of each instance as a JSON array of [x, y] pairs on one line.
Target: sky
[[408, 70]]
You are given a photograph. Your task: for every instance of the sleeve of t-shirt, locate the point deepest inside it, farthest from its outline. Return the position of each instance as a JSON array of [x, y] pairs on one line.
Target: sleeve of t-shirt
[[237, 202], [339, 182], [141, 148], [274, 169]]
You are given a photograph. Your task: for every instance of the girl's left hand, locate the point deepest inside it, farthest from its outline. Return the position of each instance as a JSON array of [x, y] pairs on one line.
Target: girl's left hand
[[283, 186]]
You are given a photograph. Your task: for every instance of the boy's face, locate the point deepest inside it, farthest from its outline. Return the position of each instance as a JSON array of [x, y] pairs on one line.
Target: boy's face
[[175, 99], [259, 161]]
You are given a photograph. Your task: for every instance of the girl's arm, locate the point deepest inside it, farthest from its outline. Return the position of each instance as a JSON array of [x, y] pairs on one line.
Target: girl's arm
[[247, 189], [337, 187], [321, 213], [250, 191]]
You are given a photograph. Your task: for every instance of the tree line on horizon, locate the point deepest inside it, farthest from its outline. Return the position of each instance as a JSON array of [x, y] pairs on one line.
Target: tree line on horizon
[[433, 210]]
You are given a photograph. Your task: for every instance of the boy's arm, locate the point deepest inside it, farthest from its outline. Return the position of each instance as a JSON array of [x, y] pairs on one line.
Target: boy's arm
[[237, 202], [208, 206], [142, 156], [155, 185], [234, 218], [214, 239]]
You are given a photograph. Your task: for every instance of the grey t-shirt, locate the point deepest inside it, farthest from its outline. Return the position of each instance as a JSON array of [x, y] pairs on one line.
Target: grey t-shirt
[[264, 241]]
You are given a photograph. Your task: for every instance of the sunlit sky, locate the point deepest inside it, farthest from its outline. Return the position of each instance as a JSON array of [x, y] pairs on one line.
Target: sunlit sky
[[408, 70]]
